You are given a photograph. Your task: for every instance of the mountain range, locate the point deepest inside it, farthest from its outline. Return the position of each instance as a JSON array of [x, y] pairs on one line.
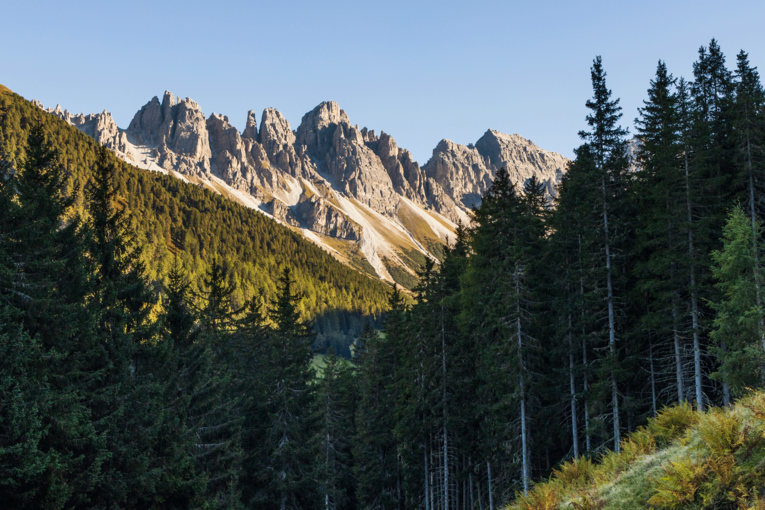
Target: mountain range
[[351, 191]]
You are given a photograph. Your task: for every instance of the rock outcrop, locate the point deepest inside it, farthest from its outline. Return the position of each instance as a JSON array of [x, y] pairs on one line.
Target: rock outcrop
[[318, 215], [465, 172], [178, 130], [100, 126]]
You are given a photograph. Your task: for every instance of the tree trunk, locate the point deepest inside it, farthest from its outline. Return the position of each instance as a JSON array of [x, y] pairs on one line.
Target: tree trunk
[[470, 483], [574, 427], [584, 354], [694, 295], [430, 477], [491, 495], [678, 355], [524, 439], [611, 322], [445, 413], [427, 482]]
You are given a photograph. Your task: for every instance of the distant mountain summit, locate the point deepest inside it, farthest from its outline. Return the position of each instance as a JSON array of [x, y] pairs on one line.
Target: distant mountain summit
[[354, 193]]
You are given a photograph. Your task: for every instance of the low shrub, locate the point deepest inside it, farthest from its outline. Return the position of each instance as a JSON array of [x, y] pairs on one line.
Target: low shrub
[[722, 433], [672, 422], [679, 483], [576, 472], [545, 496]]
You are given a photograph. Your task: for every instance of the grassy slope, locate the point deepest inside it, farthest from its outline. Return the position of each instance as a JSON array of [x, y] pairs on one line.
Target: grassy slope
[[681, 459]]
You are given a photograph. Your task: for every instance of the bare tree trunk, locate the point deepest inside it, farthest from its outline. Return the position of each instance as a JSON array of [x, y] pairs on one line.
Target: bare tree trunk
[[574, 427], [611, 321], [524, 439], [427, 482], [587, 438], [445, 413], [491, 495], [678, 355], [470, 483], [694, 293], [430, 476]]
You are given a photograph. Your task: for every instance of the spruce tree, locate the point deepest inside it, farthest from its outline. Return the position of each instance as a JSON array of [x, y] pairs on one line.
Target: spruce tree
[[739, 315], [220, 428], [660, 250], [375, 451], [693, 227], [290, 450], [712, 94], [607, 142], [748, 135], [335, 406]]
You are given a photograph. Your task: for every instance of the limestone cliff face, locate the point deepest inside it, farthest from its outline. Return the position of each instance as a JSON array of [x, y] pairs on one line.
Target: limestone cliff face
[[318, 215], [327, 177], [178, 130], [341, 155], [466, 172], [100, 126]]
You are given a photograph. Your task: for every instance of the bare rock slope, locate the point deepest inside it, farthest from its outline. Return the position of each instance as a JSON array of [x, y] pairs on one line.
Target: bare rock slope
[[356, 194]]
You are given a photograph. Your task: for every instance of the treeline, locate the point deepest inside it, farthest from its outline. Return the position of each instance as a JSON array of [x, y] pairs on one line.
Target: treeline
[[174, 220], [550, 330]]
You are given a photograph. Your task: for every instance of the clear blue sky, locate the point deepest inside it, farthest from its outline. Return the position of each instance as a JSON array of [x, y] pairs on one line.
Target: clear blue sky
[[419, 70]]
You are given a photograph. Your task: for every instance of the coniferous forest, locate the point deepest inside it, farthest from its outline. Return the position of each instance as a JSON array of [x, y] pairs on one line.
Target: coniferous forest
[[549, 331]]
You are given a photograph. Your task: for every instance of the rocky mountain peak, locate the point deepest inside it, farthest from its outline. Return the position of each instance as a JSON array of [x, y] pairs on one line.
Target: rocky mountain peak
[[317, 128], [275, 131], [251, 127], [328, 178]]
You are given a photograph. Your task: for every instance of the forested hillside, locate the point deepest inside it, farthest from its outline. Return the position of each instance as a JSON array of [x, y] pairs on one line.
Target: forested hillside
[[546, 338], [175, 219]]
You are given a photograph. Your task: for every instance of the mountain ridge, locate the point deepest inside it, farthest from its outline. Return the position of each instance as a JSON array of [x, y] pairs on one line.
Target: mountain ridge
[[356, 194]]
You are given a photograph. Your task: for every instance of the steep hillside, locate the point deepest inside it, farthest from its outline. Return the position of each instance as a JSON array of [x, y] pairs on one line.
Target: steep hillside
[[355, 194], [681, 459], [177, 218]]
